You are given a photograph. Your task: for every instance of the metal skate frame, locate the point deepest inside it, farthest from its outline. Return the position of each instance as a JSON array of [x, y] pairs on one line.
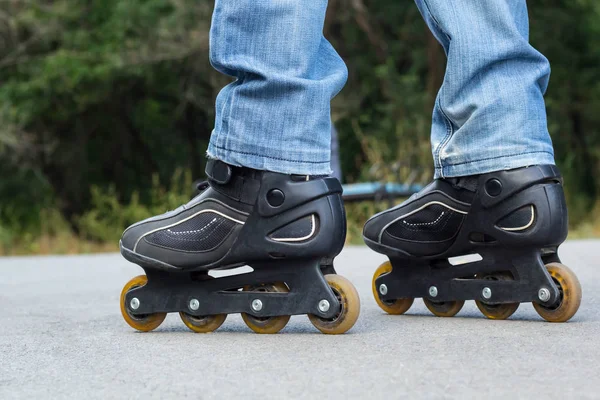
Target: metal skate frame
[[439, 281], [200, 294]]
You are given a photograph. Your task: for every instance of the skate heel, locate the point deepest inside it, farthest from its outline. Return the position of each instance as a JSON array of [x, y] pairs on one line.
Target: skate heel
[[520, 208]]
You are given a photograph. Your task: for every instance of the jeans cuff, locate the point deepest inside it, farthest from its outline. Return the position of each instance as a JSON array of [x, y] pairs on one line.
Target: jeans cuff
[[492, 164], [272, 163]]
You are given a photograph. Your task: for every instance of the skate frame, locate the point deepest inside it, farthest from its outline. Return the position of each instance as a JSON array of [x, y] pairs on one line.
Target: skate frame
[[171, 291], [460, 282]]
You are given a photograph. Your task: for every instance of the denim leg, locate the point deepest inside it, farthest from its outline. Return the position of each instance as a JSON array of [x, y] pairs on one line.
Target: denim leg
[[489, 114], [276, 114]]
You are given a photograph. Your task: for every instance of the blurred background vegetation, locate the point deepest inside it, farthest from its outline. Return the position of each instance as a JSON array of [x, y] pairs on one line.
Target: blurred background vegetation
[[106, 108]]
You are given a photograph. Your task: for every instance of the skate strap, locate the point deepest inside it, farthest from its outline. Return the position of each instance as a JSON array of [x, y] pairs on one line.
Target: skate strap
[[233, 182], [469, 183], [219, 171]]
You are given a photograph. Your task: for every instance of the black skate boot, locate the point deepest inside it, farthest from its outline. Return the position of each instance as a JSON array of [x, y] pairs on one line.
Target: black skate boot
[[287, 228], [492, 238]]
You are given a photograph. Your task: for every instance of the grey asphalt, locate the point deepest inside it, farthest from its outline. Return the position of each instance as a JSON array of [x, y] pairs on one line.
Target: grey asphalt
[[62, 336]]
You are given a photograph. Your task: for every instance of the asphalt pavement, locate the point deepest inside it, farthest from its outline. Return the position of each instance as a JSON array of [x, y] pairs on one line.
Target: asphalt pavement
[[62, 337]]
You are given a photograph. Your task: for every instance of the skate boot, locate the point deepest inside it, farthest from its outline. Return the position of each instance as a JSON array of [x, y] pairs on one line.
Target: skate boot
[[492, 238], [287, 228]]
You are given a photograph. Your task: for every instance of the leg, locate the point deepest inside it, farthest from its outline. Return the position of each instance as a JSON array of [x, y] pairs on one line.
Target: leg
[[272, 124], [276, 114], [486, 227], [489, 113]]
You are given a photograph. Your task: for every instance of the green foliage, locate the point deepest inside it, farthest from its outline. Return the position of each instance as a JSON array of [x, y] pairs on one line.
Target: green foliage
[[108, 215], [100, 101]]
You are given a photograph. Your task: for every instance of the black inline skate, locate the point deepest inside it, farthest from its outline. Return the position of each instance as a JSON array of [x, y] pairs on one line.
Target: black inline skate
[[492, 238], [287, 228]]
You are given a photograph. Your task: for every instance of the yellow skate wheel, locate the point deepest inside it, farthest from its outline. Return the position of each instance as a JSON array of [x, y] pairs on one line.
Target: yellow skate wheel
[[266, 324], [203, 323], [570, 295], [146, 322], [497, 311], [349, 307], [394, 307], [444, 308]]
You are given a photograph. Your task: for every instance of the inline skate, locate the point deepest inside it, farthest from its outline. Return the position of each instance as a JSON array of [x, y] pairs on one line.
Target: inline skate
[[287, 228], [492, 238]]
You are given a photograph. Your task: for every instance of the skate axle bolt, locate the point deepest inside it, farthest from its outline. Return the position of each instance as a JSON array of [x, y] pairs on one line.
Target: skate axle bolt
[[433, 291], [486, 293], [544, 294], [134, 303], [383, 289], [257, 305], [323, 306], [194, 304]]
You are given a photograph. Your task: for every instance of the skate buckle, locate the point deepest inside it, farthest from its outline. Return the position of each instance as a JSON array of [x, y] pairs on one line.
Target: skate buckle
[[218, 171]]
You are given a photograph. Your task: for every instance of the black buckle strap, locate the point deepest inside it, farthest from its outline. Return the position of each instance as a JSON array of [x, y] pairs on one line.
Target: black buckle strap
[[219, 171], [233, 182]]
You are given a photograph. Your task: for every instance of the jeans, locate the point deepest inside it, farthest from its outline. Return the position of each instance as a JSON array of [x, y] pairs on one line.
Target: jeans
[[489, 114]]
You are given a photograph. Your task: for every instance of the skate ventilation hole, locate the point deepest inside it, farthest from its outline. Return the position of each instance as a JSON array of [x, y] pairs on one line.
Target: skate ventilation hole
[[204, 232], [518, 220], [297, 231], [434, 223]]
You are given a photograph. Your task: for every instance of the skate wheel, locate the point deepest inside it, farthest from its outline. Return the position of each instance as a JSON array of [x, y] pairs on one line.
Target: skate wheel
[[497, 311], [394, 307], [444, 308], [146, 322], [570, 294], [266, 324], [202, 323], [349, 307]]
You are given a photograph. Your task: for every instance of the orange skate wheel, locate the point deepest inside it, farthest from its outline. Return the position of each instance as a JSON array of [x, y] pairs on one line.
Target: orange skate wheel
[[266, 324], [203, 323], [349, 307], [444, 308], [570, 295], [394, 307], [145, 322], [497, 311]]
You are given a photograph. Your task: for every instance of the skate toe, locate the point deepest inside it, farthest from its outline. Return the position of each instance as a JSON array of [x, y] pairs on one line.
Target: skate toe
[[373, 227], [131, 236]]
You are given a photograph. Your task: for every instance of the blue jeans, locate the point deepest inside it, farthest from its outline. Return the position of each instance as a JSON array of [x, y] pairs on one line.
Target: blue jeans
[[489, 114]]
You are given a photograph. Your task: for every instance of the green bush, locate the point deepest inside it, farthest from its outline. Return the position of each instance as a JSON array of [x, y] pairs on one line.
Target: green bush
[[108, 216]]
